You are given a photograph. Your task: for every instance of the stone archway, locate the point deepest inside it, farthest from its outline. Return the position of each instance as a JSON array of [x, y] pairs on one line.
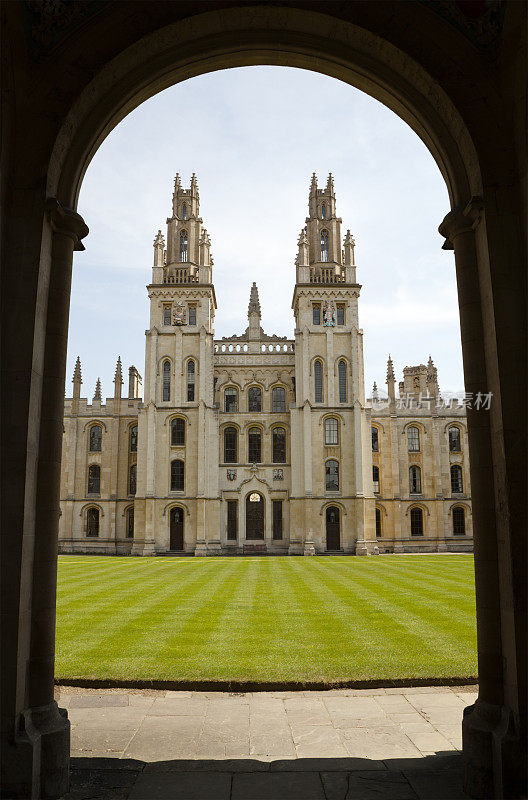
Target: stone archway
[[389, 55]]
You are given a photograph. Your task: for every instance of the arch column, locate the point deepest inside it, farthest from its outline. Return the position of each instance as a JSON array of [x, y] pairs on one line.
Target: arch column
[[493, 729]]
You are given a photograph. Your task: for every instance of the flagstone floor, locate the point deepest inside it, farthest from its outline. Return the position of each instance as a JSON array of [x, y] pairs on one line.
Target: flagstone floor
[[398, 744]]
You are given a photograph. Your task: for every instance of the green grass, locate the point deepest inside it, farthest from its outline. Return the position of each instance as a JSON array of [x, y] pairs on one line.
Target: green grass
[[266, 619]]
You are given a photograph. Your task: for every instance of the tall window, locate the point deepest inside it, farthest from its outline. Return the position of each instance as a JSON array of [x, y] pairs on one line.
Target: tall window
[[192, 315], [254, 446], [323, 211], [177, 475], [92, 522], [454, 440], [324, 246], [130, 523], [375, 477], [96, 436], [177, 432], [183, 246], [375, 439], [190, 379], [415, 480], [332, 475], [133, 438], [277, 519], [416, 522], [167, 315], [184, 211], [456, 479], [318, 381], [378, 523], [331, 431], [413, 439], [340, 314], [230, 399], [341, 369], [278, 399], [232, 519], [166, 380], [94, 479], [255, 398], [230, 445], [132, 479], [316, 313], [279, 445], [459, 522]]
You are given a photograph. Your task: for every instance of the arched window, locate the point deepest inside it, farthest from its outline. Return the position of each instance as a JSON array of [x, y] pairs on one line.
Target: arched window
[[323, 211], [133, 438], [459, 521], [454, 439], [375, 477], [177, 475], [378, 523], [255, 398], [177, 432], [183, 246], [456, 479], [324, 246], [318, 381], [332, 475], [331, 431], [132, 479], [230, 399], [96, 436], [341, 368], [230, 445], [279, 445], [278, 399], [166, 380], [92, 522], [94, 479], [415, 480], [416, 522], [375, 439], [413, 439], [254, 446], [130, 523], [190, 380], [184, 211]]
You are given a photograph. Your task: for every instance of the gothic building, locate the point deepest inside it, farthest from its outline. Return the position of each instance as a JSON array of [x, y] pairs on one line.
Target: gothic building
[[257, 443]]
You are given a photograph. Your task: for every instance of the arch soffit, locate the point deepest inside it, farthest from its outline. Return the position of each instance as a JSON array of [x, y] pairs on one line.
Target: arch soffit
[[276, 36], [459, 504], [455, 424], [331, 415], [377, 424], [176, 504], [177, 415], [331, 504], [413, 423], [417, 505], [86, 506], [381, 507], [92, 422], [127, 508]]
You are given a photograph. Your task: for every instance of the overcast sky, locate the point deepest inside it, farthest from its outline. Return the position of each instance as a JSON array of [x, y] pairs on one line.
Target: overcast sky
[[254, 136]]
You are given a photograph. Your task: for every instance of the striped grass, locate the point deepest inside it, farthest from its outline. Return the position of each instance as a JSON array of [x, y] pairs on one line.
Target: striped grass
[[326, 619]]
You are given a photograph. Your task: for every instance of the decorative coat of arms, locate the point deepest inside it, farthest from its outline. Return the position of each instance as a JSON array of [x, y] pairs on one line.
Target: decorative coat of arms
[[329, 313], [178, 314], [231, 474], [278, 475]]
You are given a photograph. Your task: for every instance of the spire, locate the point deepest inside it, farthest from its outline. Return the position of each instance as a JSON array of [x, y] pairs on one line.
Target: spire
[[118, 380], [177, 182], [254, 303], [391, 379], [159, 249], [97, 393], [349, 245], [330, 184], [77, 380], [375, 395], [313, 184], [77, 376], [432, 378], [194, 184]]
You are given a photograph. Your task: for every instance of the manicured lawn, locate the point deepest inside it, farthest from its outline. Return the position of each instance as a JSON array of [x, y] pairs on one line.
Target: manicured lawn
[[276, 619]]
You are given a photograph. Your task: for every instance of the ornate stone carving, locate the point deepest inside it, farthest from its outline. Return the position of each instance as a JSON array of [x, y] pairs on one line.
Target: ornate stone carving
[[231, 474], [329, 313], [178, 314]]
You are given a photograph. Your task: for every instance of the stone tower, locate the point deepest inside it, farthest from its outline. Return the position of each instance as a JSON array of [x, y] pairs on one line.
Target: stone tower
[[178, 381], [330, 423]]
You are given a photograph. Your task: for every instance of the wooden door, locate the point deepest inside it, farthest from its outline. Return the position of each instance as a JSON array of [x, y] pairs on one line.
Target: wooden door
[[176, 529], [254, 516], [333, 534]]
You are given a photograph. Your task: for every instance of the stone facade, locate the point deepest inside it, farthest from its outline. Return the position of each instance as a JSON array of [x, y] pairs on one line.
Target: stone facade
[[257, 443]]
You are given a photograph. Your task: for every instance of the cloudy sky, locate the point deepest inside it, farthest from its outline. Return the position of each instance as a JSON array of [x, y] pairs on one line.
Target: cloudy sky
[[254, 136]]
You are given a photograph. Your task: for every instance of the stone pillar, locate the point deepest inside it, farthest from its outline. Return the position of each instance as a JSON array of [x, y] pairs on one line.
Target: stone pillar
[[494, 728]]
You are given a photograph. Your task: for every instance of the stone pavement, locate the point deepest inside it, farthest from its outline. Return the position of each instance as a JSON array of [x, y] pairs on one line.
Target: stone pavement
[[342, 744]]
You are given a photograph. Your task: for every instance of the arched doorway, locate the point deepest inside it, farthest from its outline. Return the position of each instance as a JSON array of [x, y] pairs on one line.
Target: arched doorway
[[333, 528], [176, 528], [254, 516]]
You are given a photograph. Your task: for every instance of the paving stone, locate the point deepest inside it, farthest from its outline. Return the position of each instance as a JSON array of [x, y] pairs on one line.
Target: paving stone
[[136, 700], [160, 738], [126, 718], [328, 764], [97, 763], [278, 786], [208, 765], [271, 744], [430, 742], [312, 741], [335, 785], [182, 786], [379, 786], [309, 716], [100, 741], [178, 707], [444, 785], [108, 784], [98, 700], [380, 743]]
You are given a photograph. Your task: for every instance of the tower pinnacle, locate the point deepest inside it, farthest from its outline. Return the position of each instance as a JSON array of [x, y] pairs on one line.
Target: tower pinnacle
[[97, 393], [254, 302], [118, 380]]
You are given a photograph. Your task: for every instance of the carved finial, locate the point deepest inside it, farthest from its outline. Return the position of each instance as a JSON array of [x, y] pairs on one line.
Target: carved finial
[[177, 182], [254, 302], [349, 239], [77, 376], [159, 239], [375, 395], [194, 183], [118, 377], [313, 184], [390, 370], [97, 393], [430, 364], [330, 184]]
